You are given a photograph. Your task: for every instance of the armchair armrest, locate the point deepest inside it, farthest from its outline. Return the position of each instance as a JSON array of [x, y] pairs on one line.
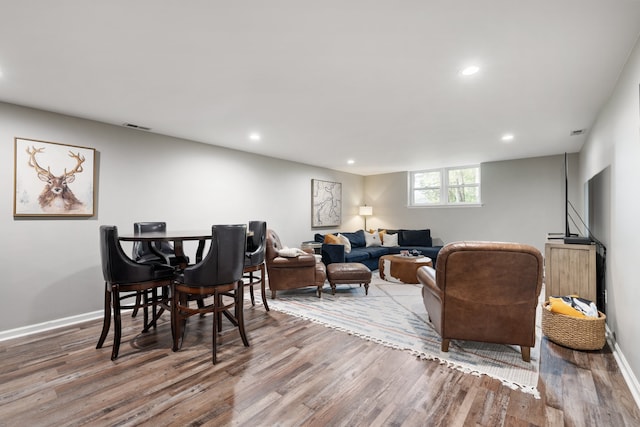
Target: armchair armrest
[[306, 260], [427, 276], [332, 253]]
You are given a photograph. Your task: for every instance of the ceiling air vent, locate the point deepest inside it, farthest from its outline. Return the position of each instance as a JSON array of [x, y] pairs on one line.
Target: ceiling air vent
[[577, 132], [132, 126]]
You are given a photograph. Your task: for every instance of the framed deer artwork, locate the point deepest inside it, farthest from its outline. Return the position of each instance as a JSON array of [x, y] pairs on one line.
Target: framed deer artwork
[[53, 179]]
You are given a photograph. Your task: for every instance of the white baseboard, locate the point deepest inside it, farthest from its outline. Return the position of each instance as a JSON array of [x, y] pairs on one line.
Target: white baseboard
[[625, 369], [47, 326]]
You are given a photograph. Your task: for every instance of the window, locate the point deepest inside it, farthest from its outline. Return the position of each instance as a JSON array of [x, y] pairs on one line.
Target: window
[[448, 186]]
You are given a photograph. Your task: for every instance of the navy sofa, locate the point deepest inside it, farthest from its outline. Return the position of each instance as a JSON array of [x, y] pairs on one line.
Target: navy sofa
[[419, 240]]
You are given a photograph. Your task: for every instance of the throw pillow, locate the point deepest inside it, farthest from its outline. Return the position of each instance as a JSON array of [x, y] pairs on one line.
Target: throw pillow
[[332, 239], [372, 239], [415, 238], [290, 252], [390, 240], [345, 242]]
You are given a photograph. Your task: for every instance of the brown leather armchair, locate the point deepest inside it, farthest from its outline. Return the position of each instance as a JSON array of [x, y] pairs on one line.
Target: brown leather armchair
[[292, 272], [484, 291]]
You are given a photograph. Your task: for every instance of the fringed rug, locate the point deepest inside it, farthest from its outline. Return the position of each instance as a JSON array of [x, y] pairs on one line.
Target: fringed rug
[[394, 315]]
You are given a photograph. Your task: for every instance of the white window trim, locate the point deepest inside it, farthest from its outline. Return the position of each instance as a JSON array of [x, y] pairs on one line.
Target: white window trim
[[444, 187]]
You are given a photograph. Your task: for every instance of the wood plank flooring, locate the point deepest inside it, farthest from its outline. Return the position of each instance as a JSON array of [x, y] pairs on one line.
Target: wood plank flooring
[[295, 373]]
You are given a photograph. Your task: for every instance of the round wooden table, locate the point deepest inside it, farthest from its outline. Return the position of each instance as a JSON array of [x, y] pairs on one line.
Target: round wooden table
[[400, 268]]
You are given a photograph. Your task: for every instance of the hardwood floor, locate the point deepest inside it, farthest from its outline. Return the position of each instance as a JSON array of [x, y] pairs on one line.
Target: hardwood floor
[[295, 373]]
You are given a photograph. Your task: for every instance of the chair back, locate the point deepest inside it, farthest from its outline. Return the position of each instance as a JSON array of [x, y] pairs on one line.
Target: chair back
[[117, 267], [273, 245], [143, 249], [489, 291], [256, 243], [224, 263]]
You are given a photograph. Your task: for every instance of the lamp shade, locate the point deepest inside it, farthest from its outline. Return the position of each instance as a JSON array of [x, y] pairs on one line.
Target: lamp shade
[[366, 210]]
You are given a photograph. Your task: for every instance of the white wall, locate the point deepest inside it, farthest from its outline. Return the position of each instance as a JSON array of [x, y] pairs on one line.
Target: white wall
[[614, 141], [51, 267], [522, 201]]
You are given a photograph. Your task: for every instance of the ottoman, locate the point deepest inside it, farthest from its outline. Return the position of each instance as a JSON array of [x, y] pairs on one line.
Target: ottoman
[[347, 273]]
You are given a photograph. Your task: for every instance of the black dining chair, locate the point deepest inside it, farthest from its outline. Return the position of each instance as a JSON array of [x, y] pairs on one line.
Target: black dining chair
[[219, 276], [254, 260], [124, 279], [154, 252]]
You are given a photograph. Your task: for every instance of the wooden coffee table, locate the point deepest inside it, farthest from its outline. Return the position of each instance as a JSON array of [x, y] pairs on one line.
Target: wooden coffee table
[[398, 268]]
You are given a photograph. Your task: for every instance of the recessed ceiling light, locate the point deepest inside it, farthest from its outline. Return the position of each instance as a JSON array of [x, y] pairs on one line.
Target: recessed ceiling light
[[255, 136], [350, 162], [507, 137], [470, 70]]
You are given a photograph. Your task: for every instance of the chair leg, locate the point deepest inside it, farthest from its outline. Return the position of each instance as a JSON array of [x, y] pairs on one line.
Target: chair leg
[[106, 323], [240, 313], [145, 310], [253, 300], [526, 353], [178, 319], [137, 304], [117, 327], [263, 288], [215, 328]]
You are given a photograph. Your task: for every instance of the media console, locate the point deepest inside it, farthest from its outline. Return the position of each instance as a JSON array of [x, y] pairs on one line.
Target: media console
[[570, 269]]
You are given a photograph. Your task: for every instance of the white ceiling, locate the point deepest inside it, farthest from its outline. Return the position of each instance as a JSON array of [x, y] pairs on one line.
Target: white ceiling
[[326, 81]]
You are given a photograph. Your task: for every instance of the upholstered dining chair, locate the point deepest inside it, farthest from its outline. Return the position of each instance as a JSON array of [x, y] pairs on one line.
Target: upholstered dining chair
[[484, 291], [291, 272], [254, 260], [124, 279], [218, 275], [162, 252], [154, 252]]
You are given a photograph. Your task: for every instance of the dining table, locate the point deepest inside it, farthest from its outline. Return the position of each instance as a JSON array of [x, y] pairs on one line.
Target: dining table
[[178, 237]]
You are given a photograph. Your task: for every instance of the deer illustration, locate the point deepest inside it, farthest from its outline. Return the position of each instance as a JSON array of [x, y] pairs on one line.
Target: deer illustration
[[56, 195]]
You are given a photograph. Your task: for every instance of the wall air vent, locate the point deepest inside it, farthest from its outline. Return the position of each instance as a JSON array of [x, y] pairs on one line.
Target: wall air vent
[[132, 126], [577, 132]]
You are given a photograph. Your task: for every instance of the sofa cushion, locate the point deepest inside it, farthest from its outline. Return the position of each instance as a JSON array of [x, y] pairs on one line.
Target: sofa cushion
[[415, 238], [374, 251], [356, 256], [356, 239]]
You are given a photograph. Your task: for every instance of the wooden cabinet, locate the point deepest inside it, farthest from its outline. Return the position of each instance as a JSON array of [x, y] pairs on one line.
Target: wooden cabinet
[[570, 270]]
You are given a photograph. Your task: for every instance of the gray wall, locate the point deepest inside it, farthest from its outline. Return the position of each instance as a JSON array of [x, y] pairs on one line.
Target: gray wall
[[522, 201], [51, 267], [614, 143]]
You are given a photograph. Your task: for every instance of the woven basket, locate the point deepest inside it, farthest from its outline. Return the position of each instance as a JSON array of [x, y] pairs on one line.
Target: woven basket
[[573, 332]]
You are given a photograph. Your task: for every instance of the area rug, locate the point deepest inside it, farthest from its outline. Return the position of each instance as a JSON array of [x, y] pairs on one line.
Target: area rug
[[394, 315]]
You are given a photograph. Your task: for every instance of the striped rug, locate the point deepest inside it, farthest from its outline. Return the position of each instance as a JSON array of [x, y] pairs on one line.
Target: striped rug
[[394, 315]]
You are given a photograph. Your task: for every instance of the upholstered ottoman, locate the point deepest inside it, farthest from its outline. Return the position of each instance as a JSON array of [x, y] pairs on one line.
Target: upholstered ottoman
[[347, 273]]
